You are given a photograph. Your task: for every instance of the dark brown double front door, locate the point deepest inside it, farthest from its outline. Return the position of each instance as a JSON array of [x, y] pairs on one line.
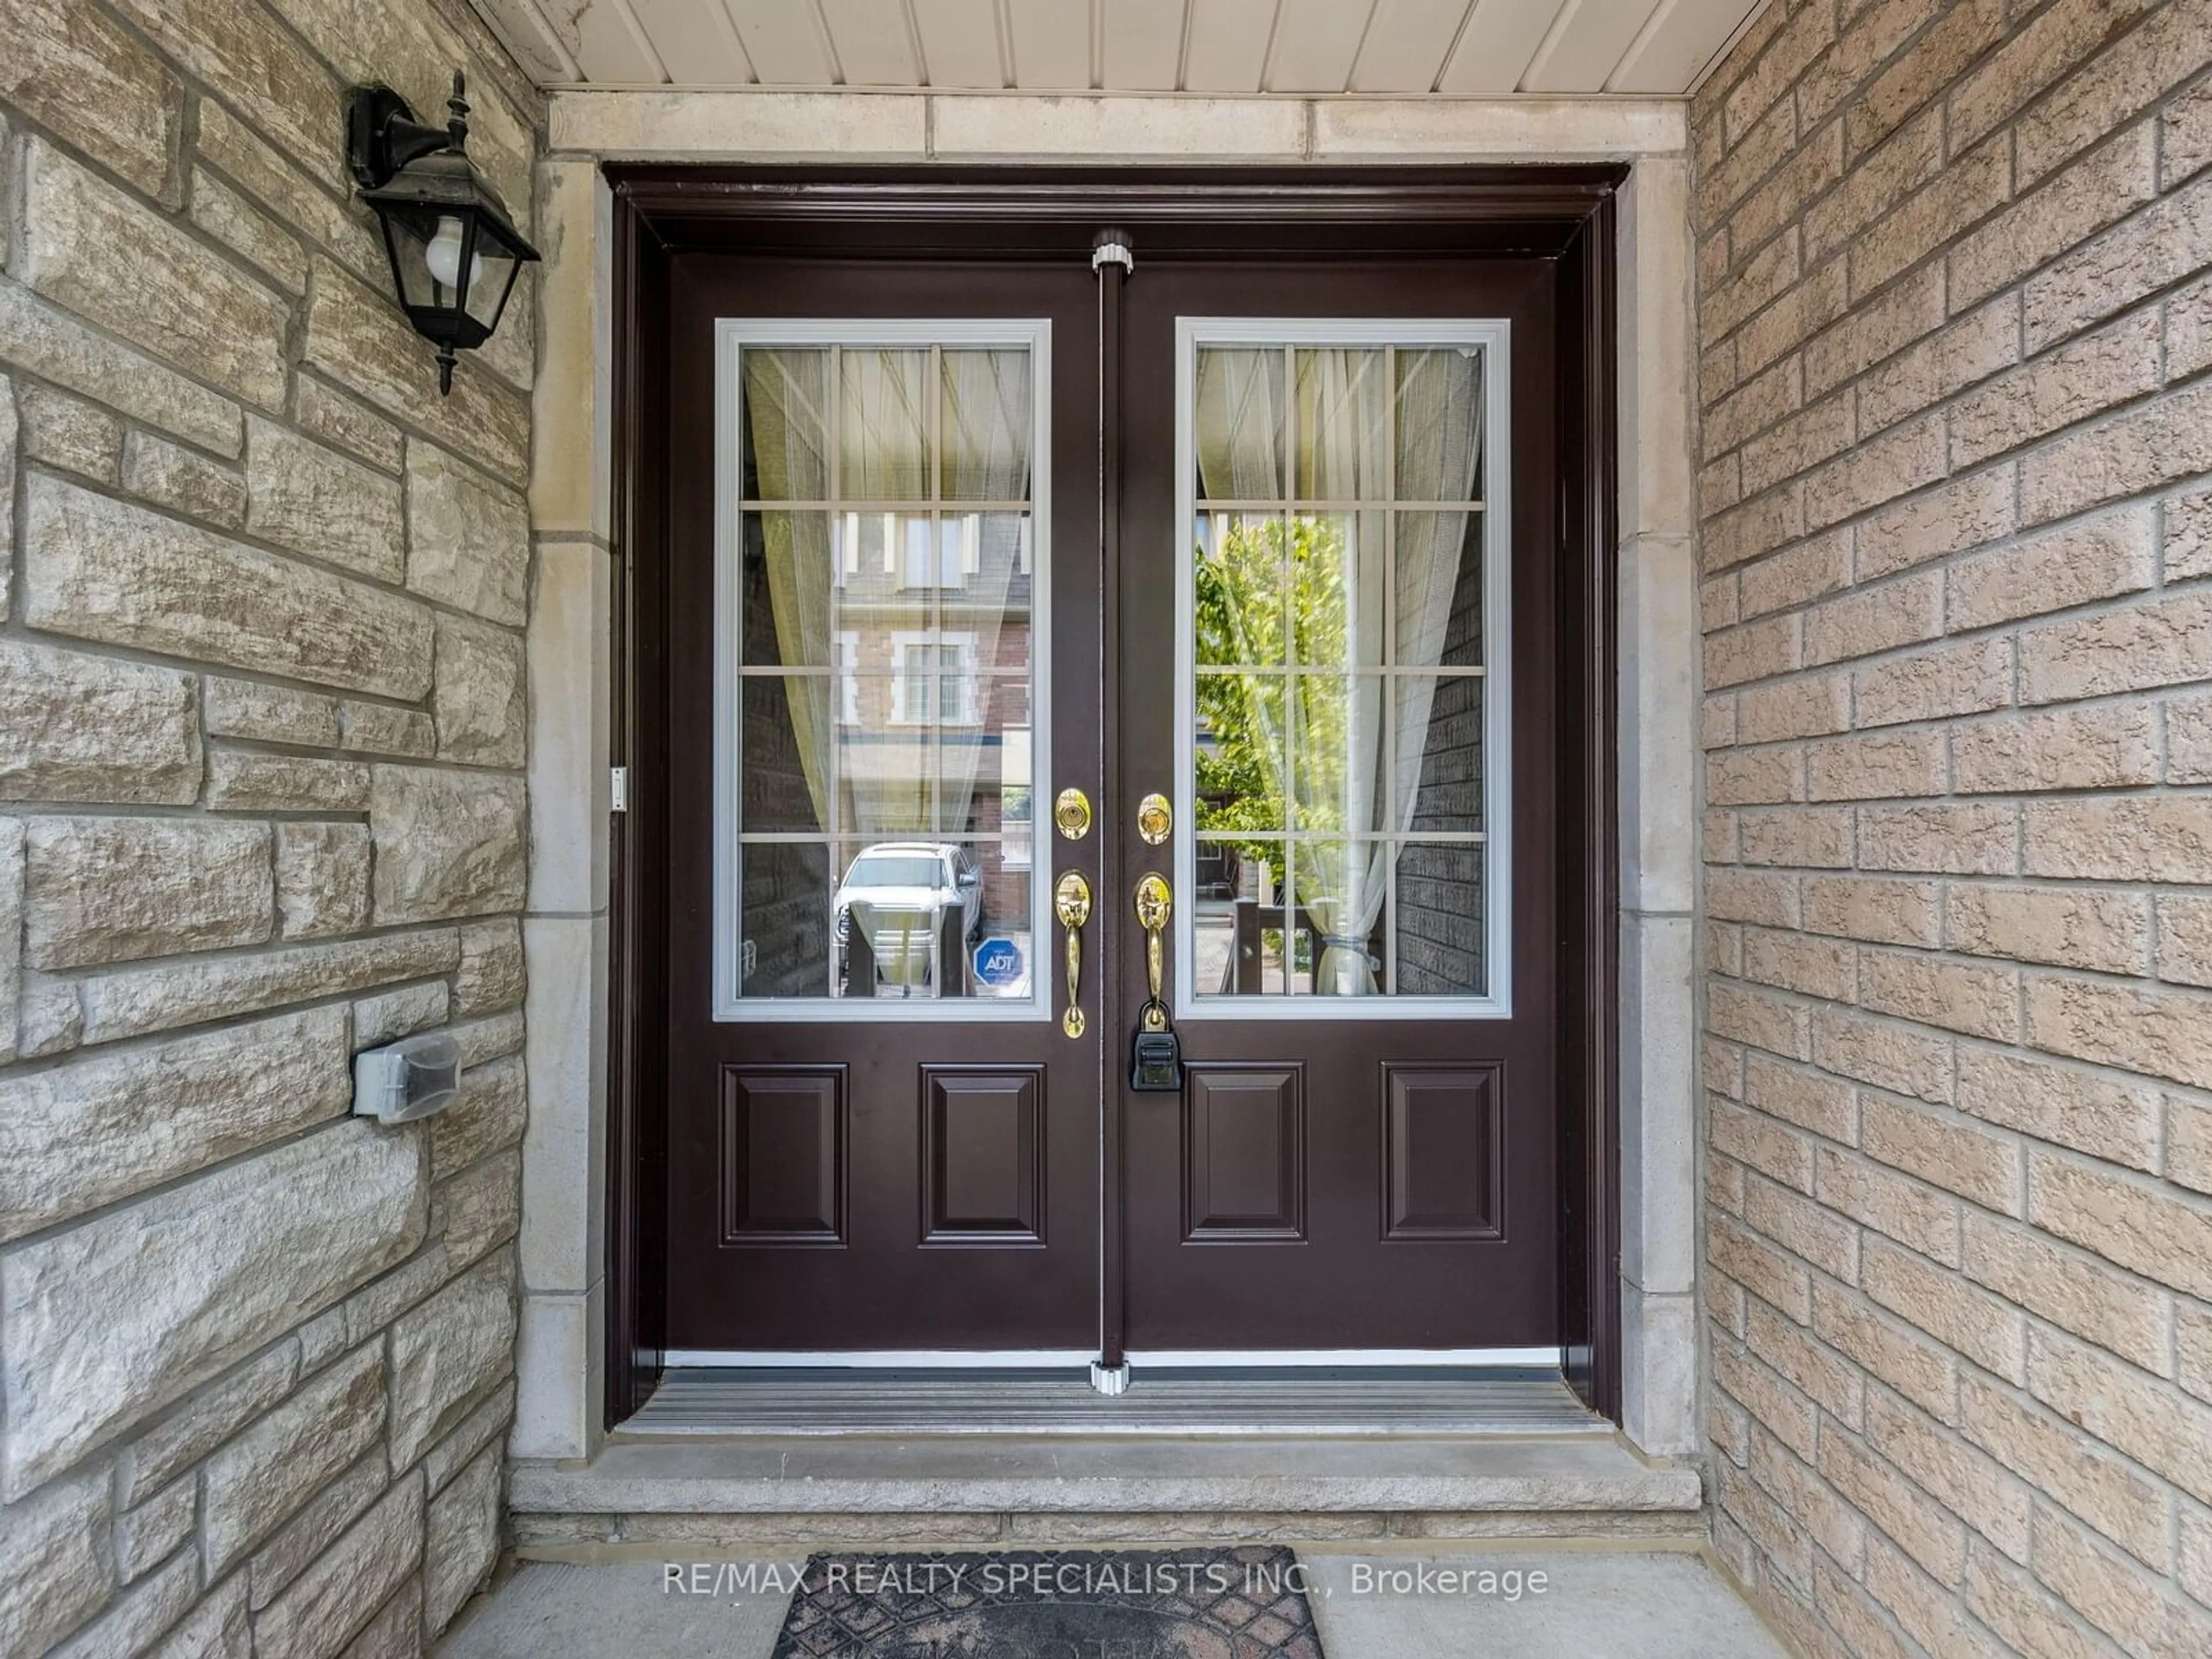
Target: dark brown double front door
[[1277, 559]]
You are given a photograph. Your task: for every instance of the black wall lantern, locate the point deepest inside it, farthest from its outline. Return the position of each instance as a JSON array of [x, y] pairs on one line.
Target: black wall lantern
[[455, 253]]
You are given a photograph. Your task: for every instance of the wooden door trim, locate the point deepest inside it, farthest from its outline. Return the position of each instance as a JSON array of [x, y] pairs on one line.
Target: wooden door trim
[[1590, 967], [1566, 213], [637, 952]]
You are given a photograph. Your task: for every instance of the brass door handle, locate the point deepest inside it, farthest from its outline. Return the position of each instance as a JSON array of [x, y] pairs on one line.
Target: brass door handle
[[1155, 1052], [1071, 903], [1154, 904]]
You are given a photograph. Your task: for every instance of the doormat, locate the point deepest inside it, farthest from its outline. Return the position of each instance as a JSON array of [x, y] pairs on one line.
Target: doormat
[[1244, 1603]]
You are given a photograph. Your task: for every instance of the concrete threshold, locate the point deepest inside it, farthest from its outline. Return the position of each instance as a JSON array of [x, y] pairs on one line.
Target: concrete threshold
[[1316, 1403]]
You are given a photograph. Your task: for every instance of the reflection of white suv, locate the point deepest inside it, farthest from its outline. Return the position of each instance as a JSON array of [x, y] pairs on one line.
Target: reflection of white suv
[[904, 891]]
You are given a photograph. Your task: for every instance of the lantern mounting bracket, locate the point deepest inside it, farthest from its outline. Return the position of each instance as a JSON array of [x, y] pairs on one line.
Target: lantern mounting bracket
[[383, 135]]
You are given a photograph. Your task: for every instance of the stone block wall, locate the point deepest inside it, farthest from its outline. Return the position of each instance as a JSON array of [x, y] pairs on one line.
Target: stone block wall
[[262, 737], [1956, 497]]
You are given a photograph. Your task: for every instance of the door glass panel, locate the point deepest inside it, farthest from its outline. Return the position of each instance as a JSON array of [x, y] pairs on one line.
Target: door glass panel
[[883, 425], [787, 390], [984, 424], [1342, 423], [1439, 937], [798, 631], [1439, 603], [1339, 586], [1241, 418], [881, 651], [1341, 635], [1240, 590], [982, 755], [772, 793], [1342, 782], [1439, 733], [785, 890], [1438, 438], [1242, 752], [931, 921], [1343, 886]]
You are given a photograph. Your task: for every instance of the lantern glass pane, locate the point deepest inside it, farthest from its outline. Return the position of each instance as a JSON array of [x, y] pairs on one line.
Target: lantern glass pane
[[406, 238], [493, 275]]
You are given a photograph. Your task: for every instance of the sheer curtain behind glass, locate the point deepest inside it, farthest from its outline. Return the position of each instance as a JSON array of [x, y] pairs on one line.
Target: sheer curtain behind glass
[[787, 402], [1348, 447], [984, 428], [918, 548]]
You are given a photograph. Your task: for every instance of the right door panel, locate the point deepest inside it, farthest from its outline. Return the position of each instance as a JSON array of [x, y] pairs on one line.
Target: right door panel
[[1339, 615]]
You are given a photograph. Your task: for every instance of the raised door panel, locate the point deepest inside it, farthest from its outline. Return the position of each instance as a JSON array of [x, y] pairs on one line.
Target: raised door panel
[[1443, 1151], [1244, 1154], [982, 1156], [783, 1163]]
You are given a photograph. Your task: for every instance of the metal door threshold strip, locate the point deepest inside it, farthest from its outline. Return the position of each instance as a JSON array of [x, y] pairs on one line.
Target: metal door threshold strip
[[789, 1401]]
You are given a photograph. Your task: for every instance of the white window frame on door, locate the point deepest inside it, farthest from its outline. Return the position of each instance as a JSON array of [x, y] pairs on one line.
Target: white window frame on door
[[733, 336], [1493, 337]]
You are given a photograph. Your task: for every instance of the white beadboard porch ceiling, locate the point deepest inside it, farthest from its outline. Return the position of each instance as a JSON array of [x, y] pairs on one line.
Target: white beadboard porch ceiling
[[1452, 48]]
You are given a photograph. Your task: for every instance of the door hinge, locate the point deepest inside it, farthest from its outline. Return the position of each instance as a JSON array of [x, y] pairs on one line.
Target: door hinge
[[618, 789]]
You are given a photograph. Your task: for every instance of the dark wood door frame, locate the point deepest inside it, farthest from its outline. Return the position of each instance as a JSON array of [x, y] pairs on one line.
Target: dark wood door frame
[[1566, 213]]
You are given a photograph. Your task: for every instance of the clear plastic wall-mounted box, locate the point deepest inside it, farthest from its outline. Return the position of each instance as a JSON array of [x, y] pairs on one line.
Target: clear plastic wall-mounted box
[[408, 1080]]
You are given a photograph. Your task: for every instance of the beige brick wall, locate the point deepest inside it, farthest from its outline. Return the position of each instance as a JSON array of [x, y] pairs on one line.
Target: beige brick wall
[[262, 730], [1955, 317]]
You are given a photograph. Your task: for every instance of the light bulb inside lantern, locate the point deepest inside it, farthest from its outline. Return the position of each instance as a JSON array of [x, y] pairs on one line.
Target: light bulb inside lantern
[[443, 256]]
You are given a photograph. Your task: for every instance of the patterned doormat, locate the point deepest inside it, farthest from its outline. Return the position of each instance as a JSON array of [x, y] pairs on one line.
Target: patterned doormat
[[1243, 1603]]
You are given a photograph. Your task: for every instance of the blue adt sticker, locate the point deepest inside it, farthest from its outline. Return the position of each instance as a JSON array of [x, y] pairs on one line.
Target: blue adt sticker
[[998, 962]]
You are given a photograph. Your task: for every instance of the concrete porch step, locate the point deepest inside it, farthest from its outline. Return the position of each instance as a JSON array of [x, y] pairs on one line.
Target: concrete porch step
[[809, 1490], [1182, 1403]]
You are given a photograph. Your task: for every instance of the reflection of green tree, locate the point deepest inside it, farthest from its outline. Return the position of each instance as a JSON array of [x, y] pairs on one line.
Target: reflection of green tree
[[1241, 609]]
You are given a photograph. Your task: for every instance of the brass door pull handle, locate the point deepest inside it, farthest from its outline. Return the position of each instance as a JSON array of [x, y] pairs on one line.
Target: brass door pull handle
[[1154, 905], [1155, 1052], [1071, 903]]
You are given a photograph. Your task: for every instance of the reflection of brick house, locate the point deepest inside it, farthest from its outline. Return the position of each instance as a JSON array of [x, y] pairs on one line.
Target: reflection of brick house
[[930, 653]]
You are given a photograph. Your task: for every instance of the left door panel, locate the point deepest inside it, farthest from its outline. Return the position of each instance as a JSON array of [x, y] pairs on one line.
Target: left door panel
[[883, 655]]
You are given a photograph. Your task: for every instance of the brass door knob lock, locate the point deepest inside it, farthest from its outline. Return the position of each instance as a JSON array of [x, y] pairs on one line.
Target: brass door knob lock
[[1071, 814], [1155, 817], [1071, 903]]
